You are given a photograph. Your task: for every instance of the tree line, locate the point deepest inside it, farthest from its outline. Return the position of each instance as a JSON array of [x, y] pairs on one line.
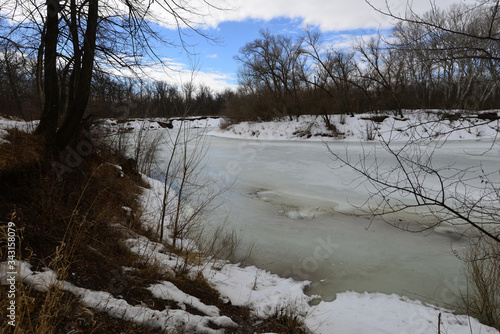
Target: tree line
[[110, 95], [71, 45], [450, 62]]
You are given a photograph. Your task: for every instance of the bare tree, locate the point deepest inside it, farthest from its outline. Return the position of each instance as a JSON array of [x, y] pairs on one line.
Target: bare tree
[[412, 181], [75, 37], [385, 71], [453, 53], [274, 64], [18, 92], [335, 73]]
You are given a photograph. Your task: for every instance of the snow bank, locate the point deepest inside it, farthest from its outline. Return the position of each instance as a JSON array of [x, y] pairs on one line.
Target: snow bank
[[3, 134], [351, 312], [9, 124], [167, 290], [374, 313], [152, 203], [170, 320], [366, 127], [193, 122], [263, 292], [111, 125]]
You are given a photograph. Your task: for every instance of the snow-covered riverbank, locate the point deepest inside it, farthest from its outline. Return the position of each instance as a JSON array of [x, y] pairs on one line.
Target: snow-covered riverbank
[[367, 127]]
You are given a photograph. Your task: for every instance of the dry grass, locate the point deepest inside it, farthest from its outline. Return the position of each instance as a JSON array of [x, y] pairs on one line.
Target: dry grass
[[72, 225], [483, 274], [288, 319], [23, 154]]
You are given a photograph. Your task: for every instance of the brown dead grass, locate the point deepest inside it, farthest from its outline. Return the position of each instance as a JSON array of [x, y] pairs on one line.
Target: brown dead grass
[[482, 299], [22, 155], [72, 225]]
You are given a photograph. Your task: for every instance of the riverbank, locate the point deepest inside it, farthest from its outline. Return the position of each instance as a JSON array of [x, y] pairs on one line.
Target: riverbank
[[263, 293], [388, 127]]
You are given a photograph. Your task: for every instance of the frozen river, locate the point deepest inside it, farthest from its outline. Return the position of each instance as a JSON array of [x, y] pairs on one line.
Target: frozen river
[[289, 200]]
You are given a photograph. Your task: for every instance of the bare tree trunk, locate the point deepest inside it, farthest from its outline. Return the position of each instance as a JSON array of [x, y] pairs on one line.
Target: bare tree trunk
[[11, 72], [74, 115], [77, 56], [39, 69], [50, 113]]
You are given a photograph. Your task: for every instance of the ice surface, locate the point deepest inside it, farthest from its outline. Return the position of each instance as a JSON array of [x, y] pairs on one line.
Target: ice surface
[[296, 205]]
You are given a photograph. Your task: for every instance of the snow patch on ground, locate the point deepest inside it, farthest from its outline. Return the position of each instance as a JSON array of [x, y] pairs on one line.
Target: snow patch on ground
[[152, 200], [374, 313], [168, 319], [351, 312], [12, 124], [262, 291], [3, 134], [167, 290], [367, 127], [111, 125]]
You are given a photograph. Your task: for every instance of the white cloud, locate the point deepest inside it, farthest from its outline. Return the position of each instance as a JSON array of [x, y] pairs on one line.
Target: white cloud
[[212, 56], [328, 15], [347, 41], [178, 74]]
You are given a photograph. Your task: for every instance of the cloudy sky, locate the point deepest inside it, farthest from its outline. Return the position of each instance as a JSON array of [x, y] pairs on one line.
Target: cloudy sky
[[238, 22]]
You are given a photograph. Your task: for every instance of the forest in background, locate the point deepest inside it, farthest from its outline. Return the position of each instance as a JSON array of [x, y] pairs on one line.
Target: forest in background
[[445, 59], [111, 95], [438, 65]]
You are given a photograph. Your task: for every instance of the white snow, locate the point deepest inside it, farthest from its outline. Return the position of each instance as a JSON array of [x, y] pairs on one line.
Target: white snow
[[263, 292], [154, 253], [3, 134], [152, 202], [210, 122], [360, 127], [134, 125], [168, 319], [11, 124], [375, 313], [351, 312], [167, 290], [40, 281]]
